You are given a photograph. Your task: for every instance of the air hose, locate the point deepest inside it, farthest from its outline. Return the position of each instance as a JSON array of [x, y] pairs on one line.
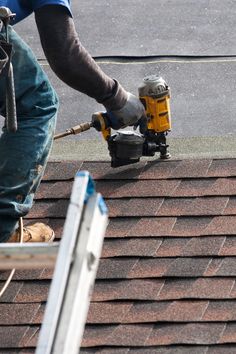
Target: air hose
[[9, 279]]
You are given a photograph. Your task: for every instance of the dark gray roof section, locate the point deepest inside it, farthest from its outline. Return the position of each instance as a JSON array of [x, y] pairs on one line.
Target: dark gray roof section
[[151, 27]]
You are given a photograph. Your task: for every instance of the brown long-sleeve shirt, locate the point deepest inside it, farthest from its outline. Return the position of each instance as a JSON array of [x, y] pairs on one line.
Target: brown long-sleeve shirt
[[70, 60]]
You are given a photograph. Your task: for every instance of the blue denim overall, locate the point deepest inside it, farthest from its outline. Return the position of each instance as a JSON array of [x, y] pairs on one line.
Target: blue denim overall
[[23, 155]]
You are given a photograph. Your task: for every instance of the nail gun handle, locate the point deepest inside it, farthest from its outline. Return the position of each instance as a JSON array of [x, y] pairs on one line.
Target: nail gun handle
[[101, 122]]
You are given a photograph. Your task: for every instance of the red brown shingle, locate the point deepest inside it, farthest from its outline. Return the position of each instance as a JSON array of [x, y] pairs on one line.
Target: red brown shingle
[[17, 314], [166, 280]]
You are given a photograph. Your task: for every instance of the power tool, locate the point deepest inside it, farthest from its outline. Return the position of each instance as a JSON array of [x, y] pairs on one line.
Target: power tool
[[128, 146]]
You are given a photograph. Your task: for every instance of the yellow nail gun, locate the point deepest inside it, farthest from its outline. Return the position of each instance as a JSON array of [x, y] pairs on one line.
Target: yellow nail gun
[[127, 147]]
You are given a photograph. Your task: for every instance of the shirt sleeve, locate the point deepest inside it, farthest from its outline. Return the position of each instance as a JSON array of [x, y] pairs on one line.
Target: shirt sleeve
[[24, 8], [37, 4]]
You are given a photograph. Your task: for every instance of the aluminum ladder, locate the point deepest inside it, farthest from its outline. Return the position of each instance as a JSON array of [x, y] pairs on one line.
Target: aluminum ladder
[[77, 258]]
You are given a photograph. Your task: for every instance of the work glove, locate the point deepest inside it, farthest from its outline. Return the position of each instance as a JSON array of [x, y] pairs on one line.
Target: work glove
[[124, 109]]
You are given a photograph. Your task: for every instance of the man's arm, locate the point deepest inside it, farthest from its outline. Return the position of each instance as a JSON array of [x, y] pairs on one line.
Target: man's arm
[[69, 59], [75, 66]]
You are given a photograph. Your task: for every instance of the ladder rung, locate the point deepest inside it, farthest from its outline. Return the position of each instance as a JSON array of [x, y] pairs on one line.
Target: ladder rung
[[28, 256]]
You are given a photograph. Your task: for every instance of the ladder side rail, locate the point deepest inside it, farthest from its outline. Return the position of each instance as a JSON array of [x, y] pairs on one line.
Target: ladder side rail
[[81, 279], [63, 263], [28, 256]]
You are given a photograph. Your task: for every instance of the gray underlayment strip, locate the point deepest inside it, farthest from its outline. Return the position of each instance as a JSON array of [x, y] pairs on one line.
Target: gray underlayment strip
[[180, 148], [202, 94]]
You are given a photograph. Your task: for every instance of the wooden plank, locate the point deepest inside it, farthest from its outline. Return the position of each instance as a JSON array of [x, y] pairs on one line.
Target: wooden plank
[[28, 256]]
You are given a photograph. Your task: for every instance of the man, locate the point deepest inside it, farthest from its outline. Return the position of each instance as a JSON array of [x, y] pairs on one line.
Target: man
[[23, 155]]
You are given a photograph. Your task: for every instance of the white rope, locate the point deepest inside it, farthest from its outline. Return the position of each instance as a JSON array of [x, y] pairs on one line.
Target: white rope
[[9, 279]]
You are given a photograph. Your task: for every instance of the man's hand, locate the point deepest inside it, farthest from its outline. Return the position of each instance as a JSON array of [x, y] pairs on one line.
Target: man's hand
[[131, 112]]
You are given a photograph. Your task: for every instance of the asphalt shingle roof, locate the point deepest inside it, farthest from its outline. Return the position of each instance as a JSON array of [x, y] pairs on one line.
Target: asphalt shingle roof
[[166, 279]]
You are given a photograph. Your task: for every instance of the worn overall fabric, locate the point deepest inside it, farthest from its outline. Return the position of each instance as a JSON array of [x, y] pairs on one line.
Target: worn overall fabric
[[23, 155]]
